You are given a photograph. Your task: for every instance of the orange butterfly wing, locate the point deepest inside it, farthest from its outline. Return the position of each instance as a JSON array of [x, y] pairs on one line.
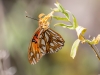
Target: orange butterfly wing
[[34, 53]]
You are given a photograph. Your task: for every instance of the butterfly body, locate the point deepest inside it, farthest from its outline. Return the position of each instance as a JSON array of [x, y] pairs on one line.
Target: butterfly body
[[45, 40]]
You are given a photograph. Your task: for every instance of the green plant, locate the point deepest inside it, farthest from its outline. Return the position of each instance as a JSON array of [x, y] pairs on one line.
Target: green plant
[[79, 30]]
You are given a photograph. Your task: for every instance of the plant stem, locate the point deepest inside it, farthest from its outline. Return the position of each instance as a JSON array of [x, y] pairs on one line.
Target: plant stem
[[95, 49]]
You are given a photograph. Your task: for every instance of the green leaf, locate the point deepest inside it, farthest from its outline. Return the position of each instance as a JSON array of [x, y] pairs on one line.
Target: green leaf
[[60, 18], [74, 48], [61, 9], [67, 15], [64, 25], [75, 24]]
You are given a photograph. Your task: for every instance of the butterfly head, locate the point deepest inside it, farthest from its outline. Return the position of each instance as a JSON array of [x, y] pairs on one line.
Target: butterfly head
[[43, 21]]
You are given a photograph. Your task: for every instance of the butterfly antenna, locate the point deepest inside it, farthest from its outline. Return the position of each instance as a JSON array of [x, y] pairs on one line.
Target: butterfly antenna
[[32, 18]]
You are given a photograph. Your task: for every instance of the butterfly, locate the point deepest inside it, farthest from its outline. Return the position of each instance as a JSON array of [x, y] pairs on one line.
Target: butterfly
[[44, 41]]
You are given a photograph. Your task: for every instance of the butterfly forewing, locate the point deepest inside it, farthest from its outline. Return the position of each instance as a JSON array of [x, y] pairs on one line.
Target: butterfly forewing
[[50, 41], [34, 52]]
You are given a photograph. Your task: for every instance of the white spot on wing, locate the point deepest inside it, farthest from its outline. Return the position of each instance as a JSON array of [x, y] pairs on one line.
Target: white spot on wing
[[61, 39], [51, 44], [34, 61], [47, 37], [37, 55], [47, 32], [51, 50], [60, 43], [52, 31], [54, 37], [42, 42], [44, 48], [57, 49], [55, 42], [41, 31], [31, 54], [42, 51]]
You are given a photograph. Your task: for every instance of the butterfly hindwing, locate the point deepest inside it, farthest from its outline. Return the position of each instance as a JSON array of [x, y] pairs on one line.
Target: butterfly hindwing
[[50, 41]]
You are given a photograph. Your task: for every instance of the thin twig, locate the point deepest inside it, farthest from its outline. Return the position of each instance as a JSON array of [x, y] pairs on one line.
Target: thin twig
[[94, 49]]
